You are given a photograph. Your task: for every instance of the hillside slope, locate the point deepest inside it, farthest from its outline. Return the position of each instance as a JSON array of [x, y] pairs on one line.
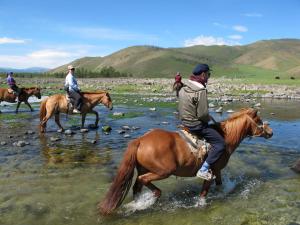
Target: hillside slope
[[269, 57]]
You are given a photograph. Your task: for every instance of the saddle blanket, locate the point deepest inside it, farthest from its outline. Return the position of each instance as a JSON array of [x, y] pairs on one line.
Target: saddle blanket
[[199, 147]]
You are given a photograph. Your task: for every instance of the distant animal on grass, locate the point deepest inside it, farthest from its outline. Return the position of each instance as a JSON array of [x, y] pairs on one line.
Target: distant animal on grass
[[8, 95], [56, 104], [159, 154]]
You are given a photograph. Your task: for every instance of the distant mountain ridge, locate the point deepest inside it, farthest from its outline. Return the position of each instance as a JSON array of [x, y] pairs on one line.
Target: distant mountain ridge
[[279, 56], [26, 70]]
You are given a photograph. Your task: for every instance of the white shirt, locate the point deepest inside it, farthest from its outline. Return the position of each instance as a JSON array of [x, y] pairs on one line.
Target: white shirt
[[71, 82]]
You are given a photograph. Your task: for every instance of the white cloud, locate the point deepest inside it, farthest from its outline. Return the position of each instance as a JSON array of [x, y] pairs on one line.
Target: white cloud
[[219, 25], [48, 53], [52, 56], [240, 28], [42, 58], [235, 37], [207, 41], [252, 14], [6, 40]]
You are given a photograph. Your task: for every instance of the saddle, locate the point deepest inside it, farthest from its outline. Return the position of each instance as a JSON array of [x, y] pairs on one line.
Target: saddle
[[198, 146], [10, 91], [70, 105]]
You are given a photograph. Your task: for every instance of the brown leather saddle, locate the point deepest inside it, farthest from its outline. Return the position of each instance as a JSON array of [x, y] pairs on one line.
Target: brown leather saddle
[[10, 91], [198, 146], [70, 105]]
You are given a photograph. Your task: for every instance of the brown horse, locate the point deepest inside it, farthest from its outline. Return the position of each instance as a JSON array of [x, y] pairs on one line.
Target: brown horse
[[25, 93], [58, 103], [159, 154]]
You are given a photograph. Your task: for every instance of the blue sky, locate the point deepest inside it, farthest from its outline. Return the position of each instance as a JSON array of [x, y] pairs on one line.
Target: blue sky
[[35, 33]]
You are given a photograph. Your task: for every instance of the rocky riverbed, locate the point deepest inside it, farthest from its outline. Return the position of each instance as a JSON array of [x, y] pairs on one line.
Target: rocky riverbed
[[217, 88]]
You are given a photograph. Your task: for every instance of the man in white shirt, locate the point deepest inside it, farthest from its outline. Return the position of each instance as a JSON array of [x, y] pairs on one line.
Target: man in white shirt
[[73, 89]]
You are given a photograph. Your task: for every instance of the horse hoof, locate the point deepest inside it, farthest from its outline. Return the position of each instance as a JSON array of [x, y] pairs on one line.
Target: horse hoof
[[157, 193]]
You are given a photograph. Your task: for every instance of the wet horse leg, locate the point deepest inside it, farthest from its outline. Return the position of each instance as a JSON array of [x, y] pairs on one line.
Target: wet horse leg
[[18, 105], [147, 178], [138, 185], [83, 115], [27, 103], [45, 119], [205, 188], [57, 121], [97, 117], [218, 177]]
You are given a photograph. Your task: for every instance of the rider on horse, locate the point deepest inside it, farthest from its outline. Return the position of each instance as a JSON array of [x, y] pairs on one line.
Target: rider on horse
[[73, 90], [193, 112], [12, 84], [178, 83]]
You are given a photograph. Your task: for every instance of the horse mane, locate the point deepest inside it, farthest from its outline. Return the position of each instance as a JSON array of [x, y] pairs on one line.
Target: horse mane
[[236, 127], [94, 92], [30, 88]]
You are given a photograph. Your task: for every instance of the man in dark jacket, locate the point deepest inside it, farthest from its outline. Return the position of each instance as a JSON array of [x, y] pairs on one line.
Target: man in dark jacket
[[193, 112]]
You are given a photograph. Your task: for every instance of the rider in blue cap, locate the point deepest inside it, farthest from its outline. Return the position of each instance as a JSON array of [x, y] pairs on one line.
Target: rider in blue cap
[[193, 112]]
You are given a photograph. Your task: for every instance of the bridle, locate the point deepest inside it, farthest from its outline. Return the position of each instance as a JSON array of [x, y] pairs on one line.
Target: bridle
[[260, 127]]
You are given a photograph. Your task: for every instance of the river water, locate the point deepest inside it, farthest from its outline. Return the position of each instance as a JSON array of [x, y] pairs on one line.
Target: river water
[[62, 182]]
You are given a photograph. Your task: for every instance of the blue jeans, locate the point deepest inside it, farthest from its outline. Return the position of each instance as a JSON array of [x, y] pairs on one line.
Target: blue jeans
[[213, 137]]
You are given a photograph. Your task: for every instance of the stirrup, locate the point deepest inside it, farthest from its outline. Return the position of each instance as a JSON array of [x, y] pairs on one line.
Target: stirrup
[[206, 175]]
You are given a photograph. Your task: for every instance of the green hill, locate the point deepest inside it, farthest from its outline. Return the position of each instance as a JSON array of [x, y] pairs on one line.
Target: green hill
[[267, 58]]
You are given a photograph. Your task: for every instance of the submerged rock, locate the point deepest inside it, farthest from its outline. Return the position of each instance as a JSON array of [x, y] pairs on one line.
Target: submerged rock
[[118, 114], [296, 166], [3, 143], [84, 130], [106, 128], [69, 132], [55, 139], [125, 127], [20, 143], [219, 110]]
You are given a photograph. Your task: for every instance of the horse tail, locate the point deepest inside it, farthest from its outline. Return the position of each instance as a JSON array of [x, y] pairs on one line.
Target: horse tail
[[43, 110], [122, 182]]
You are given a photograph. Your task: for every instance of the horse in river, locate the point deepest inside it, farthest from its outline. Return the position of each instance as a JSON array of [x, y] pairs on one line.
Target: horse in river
[[159, 153], [58, 103], [25, 93]]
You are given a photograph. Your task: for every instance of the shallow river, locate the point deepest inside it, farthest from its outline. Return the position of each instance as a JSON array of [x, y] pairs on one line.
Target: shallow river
[[61, 182]]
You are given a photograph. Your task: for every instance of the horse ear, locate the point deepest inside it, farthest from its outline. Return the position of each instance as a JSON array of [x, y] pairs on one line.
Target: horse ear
[[254, 112]]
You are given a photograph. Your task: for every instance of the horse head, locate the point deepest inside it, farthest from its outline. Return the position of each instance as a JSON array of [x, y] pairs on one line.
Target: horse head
[[37, 92], [258, 127], [106, 100]]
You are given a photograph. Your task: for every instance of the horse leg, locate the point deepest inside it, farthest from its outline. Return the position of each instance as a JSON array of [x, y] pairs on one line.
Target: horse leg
[[97, 117], [45, 120], [18, 105], [138, 185], [27, 103], [218, 177], [83, 115], [147, 178], [205, 188], [57, 121]]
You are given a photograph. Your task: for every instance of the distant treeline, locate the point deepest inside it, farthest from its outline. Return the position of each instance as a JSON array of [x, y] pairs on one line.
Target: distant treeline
[[80, 73]]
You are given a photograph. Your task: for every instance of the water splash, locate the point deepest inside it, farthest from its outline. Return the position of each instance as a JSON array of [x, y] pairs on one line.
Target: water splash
[[250, 187], [142, 201]]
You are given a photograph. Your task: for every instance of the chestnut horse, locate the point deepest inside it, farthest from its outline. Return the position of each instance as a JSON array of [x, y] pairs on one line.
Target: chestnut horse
[[25, 93], [58, 103], [159, 154]]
